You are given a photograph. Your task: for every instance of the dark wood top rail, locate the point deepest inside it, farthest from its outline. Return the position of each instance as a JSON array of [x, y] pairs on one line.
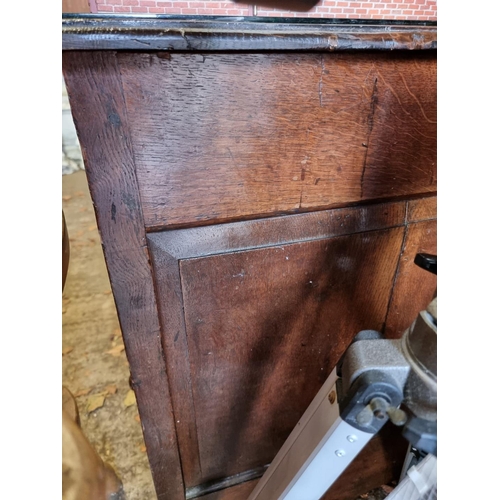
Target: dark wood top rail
[[149, 32]]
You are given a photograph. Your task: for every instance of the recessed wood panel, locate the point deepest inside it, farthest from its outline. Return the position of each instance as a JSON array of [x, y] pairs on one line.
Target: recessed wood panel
[[261, 327], [265, 327], [171, 247], [226, 136]]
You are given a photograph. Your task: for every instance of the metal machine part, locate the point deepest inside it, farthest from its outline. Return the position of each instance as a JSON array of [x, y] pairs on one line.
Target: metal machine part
[[419, 345], [380, 380], [380, 375], [315, 454], [419, 482]]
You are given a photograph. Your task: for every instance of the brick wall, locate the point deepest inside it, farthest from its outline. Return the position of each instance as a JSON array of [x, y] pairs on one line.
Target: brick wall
[[423, 10]]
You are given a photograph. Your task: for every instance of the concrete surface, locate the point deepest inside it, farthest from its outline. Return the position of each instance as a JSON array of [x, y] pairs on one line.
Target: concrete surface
[[71, 154]]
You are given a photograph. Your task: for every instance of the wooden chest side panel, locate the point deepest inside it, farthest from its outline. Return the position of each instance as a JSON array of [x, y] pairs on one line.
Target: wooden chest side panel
[[227, 136]]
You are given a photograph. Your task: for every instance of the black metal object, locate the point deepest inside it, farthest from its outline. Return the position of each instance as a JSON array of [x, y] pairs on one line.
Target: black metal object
[[422, 434], [427, 261], [213, 33]]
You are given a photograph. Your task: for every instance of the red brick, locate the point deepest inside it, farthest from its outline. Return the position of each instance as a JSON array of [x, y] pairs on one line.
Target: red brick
[[368, 5], [407, 12], [106, 8], [140, 10], [348, 11], [122, 9], [342, 4], [156, 10], [163, 4], [113, 2], [131, 3], [196, 5], [361, 12], [189, 11], [147, 3], [355, 5], [373, 12]]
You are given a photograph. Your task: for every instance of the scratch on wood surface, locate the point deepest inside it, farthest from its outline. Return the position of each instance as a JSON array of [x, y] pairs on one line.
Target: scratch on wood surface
[[394, 93], [232, 157], [416, 99], [366, 145]]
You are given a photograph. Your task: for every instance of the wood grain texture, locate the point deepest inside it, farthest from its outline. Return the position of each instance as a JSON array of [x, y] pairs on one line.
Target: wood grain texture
[[414, 288], [263, 329], [422, 209], [401, 145], [96, 99], [227, 136], [234, 236], [173, 331]]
